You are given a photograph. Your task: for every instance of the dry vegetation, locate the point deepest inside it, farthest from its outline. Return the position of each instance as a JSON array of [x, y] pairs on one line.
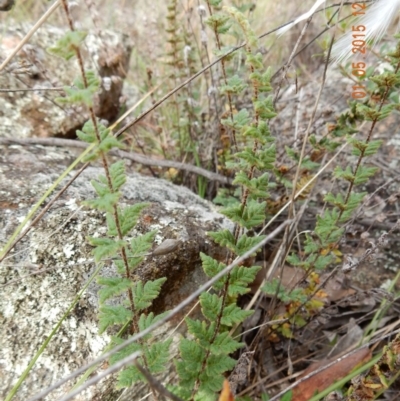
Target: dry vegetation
[[322, 312]]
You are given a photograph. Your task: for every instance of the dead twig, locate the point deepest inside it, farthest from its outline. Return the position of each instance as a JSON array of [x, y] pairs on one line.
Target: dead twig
[[155, 384], [136, 157]]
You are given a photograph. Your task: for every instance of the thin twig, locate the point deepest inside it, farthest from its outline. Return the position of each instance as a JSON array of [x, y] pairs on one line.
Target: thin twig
[[136, 157], [114, 368], [291, 57], [60, 89], [155, 384]]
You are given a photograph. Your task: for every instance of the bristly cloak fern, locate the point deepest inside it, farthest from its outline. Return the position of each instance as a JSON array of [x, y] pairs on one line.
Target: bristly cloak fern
[[127, 255]]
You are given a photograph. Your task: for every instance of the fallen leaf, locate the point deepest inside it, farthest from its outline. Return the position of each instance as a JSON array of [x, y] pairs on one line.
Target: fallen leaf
[[320, 381], [226, 394]]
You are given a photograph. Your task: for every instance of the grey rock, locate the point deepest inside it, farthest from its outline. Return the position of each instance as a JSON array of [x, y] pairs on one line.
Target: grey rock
[[37, 113], [43, 274]]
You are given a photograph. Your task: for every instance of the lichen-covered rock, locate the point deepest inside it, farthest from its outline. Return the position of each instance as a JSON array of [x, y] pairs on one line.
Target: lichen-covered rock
[[47, 269], [37, 113]]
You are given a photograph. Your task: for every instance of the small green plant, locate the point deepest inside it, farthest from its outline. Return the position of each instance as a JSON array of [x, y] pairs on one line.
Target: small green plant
[[185, 111], [321, 246], [126, 312], [205, 357], [206, 351]]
